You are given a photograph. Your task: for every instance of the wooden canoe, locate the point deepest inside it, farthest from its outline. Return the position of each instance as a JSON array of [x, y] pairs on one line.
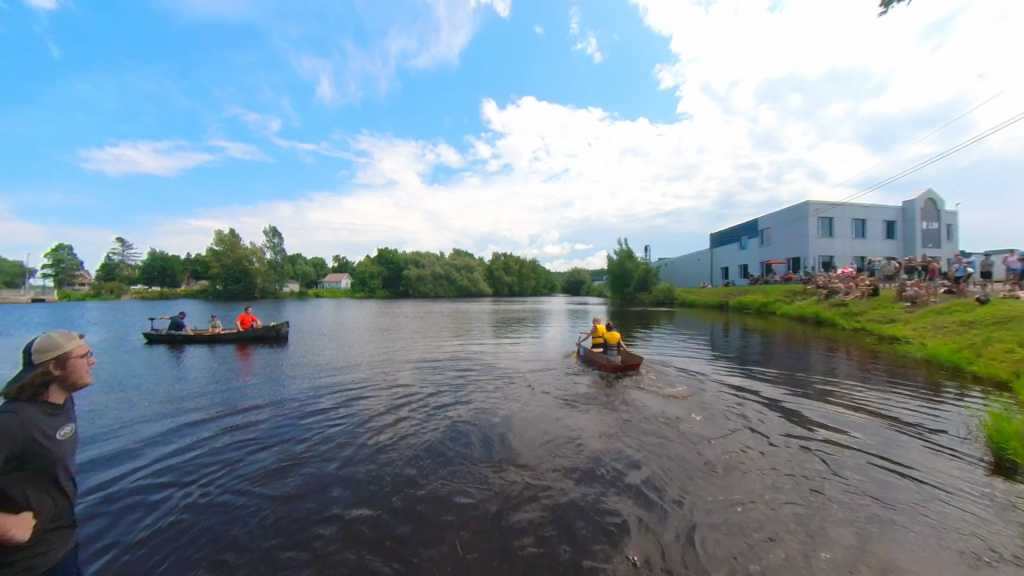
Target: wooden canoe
[[630, 362], [274, 332]]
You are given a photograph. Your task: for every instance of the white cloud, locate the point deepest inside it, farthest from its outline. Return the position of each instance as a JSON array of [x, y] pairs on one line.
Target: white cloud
[[594, 262], [268, 125], [828, 91], [46, 5], [168, 158], [240, 150], [502, 7], [585, 39], [538, 29]]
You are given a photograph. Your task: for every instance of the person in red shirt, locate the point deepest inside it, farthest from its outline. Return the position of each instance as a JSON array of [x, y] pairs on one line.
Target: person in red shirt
[[246, 321]]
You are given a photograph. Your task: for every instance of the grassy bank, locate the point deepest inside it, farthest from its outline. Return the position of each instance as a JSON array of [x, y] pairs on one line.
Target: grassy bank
[[982, 341]]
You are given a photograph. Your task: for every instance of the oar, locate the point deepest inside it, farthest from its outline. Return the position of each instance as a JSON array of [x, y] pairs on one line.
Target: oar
[[576, 351]]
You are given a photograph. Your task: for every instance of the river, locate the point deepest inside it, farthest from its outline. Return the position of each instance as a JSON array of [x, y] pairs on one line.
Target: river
[[459, 437]]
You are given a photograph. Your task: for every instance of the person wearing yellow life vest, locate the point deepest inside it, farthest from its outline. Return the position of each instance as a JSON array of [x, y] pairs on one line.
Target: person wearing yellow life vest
[[613, 344], [596, 336]]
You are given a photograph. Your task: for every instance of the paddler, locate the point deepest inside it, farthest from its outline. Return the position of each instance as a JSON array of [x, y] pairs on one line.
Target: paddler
[[596, 335], [246, 320], [177, 323], [613, 344]]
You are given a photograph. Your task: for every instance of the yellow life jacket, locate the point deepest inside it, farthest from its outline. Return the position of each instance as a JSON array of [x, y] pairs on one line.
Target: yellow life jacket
[[598, 337], [612, 340]]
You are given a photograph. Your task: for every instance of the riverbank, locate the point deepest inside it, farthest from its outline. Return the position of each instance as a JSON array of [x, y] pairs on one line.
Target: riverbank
[[957, 334], [983, 341]]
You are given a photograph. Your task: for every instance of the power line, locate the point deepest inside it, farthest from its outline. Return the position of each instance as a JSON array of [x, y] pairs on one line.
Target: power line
[[899, 176]]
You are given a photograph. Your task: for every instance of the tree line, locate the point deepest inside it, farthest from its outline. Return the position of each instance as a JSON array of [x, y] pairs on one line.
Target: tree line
[[232, 268]]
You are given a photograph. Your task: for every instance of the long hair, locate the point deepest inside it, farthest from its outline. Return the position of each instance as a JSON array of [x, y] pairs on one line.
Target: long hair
[[37, 384], [609, 326]]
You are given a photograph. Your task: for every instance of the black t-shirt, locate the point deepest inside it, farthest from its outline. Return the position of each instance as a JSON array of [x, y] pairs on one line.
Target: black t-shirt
[[176, 325], [38, 441]]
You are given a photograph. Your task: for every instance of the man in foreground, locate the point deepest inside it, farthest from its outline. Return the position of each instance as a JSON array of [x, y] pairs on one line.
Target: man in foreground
[[38, 441], [246, 320]]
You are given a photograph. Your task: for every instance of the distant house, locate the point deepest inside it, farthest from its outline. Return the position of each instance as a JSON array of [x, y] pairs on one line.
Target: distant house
[[336, 281], [80, 281], [291, 286]]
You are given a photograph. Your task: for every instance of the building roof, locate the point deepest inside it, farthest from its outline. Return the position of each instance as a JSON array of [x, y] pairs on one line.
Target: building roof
[[82, 277], [336, 277]]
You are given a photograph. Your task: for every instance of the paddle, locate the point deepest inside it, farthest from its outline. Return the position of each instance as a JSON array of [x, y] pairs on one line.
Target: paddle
[[576, 350]]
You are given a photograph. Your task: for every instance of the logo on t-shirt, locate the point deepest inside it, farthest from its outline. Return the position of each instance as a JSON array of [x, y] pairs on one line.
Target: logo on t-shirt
[[66, 431]]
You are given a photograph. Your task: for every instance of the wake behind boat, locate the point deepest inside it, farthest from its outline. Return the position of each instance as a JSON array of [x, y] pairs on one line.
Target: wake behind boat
[[271, 332]]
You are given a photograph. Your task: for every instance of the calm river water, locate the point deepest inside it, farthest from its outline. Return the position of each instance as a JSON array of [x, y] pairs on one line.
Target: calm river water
[[459, 437]]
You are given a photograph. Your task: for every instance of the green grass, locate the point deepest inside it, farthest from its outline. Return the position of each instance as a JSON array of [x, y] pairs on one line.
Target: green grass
[[981, 341], [1002, 427]]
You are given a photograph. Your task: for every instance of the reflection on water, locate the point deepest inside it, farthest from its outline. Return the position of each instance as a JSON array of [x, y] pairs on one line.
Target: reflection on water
[[426, 437]]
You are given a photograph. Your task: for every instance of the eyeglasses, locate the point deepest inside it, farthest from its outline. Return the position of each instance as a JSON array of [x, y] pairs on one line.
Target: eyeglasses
[[87, 355]]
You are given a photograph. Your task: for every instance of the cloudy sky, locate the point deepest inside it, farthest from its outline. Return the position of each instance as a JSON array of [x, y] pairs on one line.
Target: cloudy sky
[[543, 127]]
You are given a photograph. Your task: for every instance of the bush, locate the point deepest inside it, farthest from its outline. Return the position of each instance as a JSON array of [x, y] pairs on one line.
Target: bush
[[663, 295]]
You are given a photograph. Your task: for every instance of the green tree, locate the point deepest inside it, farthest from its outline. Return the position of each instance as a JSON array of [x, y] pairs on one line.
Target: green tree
[[302, 271], [390, 262], [320, 268], [511, 275], [367, 277], [234, 266], [466, 274], [278, 268], [576, 281], [161, 269], [887, 5], [629, 278], [120, 263], [13, 273], [62, 266], [196, 266], [341, 264], [108, 270]]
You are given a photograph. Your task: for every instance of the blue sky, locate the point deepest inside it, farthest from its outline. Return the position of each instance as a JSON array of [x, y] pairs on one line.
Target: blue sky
[[546, 128]]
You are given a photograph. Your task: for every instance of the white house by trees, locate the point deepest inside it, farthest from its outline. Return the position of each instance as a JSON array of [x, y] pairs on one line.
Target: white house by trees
[[340, 281]]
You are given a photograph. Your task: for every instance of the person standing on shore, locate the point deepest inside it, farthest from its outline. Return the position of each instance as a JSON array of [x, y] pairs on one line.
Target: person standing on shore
[[1012, 264], [986, 267], [38, 441]]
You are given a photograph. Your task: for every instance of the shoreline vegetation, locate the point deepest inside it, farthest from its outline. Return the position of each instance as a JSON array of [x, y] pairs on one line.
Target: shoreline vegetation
[[956, 334], [233, 269]]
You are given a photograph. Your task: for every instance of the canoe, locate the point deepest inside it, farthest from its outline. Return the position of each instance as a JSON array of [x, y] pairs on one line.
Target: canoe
[[271, 333], [630, 362]]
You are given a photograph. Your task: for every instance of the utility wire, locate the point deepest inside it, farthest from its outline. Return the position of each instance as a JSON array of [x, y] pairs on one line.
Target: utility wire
[[899, 176]]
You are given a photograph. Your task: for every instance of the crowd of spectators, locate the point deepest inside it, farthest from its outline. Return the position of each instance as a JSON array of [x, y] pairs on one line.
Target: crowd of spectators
[[916, 281]]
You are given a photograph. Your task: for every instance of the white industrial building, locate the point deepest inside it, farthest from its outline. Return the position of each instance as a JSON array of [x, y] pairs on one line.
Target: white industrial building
[[814, 235]]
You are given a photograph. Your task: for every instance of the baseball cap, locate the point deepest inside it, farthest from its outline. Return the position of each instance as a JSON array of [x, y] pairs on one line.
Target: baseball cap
[[44, 348]]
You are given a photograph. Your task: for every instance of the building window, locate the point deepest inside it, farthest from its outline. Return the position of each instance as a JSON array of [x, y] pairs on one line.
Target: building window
[[744, 271], [890, 229], [725, 273], [860, 263], [860, 228], [794, 264], [825, 226], [743, 242], [827, 263], [766, 237], [949, 232]]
